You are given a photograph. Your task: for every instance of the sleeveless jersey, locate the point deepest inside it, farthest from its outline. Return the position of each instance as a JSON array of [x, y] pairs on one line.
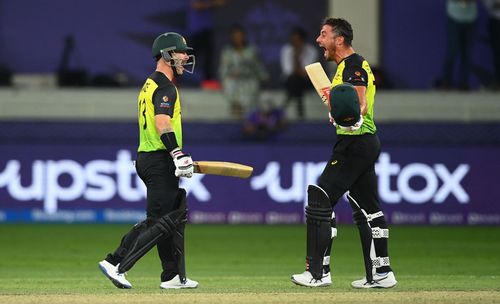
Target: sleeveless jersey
[[158, 96], [356, 70]]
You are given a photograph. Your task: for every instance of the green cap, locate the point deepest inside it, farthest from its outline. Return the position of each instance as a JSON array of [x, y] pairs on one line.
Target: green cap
[[171, 42], [344, 104]]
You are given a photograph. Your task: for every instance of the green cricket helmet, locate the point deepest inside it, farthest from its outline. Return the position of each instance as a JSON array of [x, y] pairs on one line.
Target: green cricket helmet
[[344, 105], [168, 43]]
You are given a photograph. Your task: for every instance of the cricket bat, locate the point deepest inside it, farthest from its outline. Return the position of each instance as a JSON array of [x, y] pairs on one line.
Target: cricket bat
[[222, 168], [320, 81]]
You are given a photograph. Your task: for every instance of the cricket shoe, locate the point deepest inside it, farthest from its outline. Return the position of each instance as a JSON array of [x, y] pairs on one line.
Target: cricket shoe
[[306, 279], [175, 283], [111, 272], [380, 280]]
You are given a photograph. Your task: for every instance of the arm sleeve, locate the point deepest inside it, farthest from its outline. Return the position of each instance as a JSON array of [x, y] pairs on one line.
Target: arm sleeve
[[164, 99], [355, 75]]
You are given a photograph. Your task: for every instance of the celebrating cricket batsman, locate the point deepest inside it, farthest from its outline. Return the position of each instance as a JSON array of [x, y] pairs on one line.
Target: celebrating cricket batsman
[[160, 162], [351, 167]]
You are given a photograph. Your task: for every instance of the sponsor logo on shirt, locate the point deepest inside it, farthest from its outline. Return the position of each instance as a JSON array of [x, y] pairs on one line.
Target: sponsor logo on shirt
[[165, 103]]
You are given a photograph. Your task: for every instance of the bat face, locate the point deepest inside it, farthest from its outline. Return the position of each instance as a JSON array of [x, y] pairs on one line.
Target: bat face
[[320, 81]]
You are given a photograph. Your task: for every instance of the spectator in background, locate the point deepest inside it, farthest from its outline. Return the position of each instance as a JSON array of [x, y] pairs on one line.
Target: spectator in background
[[493, 7], [241, 73], [295, 55], [201, 27], [462, 16], [266, 121]]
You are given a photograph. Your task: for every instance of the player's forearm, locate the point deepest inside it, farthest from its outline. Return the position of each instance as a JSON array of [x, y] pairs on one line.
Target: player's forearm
[[170, 142], [166, 132], [163, 126], [363, 109]]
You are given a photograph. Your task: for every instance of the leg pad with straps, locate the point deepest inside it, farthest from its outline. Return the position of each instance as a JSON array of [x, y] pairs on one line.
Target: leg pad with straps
[[147, 239], [379, 233], [326, 258], [319, 229]]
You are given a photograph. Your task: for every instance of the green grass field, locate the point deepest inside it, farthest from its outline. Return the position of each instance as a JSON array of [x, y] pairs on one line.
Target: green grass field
[[248, 264]]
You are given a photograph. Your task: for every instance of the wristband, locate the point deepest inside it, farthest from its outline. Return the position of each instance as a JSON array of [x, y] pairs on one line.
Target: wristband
[[176, 152], [169, 141]]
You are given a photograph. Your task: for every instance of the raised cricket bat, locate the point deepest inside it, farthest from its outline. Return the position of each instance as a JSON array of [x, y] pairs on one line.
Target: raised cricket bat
[[320, 81], [222, 168]]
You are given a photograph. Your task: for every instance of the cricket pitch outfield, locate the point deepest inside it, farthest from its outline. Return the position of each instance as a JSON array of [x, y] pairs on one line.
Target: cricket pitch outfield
[[42, 263]]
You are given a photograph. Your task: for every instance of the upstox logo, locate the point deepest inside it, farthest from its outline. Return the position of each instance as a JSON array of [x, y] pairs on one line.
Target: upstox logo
[[97, 181], [100, 180], [440, 182], [394, 181]]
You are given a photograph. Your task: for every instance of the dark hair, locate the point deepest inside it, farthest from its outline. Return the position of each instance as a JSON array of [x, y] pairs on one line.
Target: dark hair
[[299, 31], [341, 27], [239, 28]]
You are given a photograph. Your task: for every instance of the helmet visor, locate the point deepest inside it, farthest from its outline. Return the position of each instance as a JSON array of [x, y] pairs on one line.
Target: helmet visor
[[188, 65]]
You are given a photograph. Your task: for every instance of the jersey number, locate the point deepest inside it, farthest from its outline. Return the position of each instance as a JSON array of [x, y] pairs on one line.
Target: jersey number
[[143, 104]]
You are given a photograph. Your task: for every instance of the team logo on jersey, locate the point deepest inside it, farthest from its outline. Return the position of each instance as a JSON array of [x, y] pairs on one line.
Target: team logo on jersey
[[165, 103], [357, 76]]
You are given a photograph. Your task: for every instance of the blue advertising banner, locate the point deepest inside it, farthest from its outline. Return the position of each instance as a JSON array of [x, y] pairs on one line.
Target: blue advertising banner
[[97, 183]]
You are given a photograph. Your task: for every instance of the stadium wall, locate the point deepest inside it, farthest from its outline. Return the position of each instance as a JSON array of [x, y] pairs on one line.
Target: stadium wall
[[52, 104]]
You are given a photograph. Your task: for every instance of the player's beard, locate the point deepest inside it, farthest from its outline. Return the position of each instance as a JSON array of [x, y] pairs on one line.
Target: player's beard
[[178, 70], [330, 53]]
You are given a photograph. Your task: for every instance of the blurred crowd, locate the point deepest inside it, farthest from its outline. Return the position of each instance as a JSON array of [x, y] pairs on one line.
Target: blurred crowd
[[462, 19], [239, 72]]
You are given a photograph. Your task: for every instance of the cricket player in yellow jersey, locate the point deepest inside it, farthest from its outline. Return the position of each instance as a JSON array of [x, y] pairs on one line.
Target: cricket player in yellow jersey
[[351, 169], [160, 162]]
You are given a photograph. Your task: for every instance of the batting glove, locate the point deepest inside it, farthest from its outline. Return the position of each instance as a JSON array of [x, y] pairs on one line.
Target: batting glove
[[183, 163], [354, 127]]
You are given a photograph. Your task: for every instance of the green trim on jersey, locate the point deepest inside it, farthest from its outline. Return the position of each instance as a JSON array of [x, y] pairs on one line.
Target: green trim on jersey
[[368, 122], [149, 139]]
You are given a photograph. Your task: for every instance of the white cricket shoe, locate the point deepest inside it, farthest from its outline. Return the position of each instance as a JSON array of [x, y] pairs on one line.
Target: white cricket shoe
[[111, 272], [175, 283], [306, 279], [385, 280]]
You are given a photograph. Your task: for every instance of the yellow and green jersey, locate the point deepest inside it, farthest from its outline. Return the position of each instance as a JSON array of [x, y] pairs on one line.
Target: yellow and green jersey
[[356, 70], [158, 96]]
